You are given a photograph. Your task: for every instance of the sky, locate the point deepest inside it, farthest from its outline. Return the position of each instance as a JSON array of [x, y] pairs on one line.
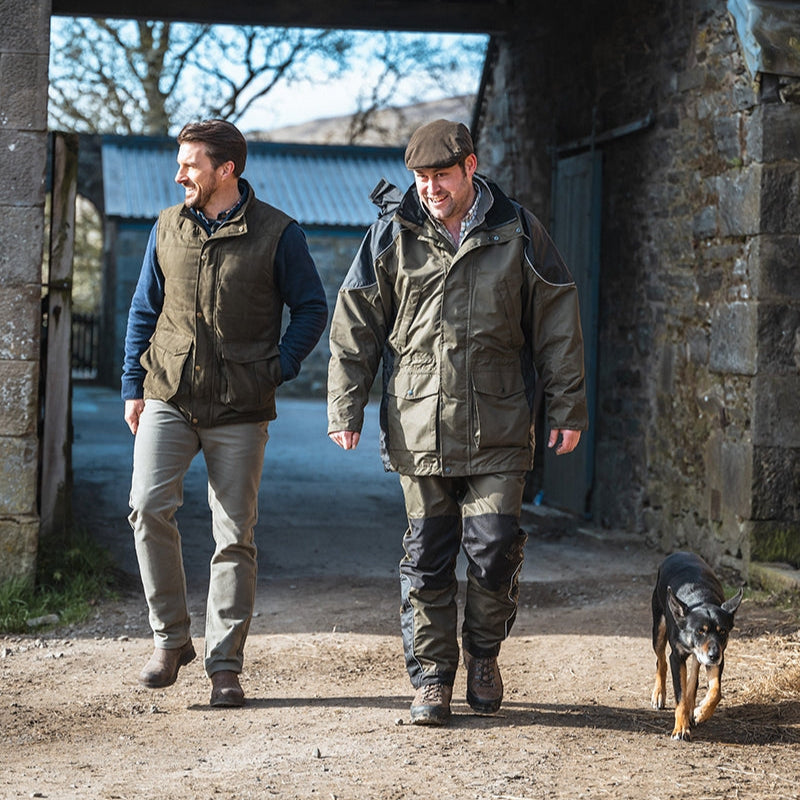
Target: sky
[[321, 99], [316, 97]]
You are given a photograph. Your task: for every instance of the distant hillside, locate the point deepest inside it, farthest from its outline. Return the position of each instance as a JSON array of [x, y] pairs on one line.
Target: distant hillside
[[390, 127]]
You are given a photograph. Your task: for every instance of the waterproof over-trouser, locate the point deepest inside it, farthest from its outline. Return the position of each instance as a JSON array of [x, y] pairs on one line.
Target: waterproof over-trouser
[[480, 513], [462, 334]]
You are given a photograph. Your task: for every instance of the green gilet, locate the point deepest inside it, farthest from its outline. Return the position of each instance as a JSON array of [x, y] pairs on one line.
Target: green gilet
[[214, 353]]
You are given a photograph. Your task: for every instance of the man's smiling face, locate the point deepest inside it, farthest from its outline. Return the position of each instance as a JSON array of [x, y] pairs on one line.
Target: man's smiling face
[[447, 192]]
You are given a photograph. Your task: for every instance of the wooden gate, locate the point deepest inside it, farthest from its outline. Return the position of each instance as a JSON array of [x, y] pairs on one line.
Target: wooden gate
[[55, 472]]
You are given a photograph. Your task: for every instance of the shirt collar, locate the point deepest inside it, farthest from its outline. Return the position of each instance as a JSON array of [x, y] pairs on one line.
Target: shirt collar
[[474, 217], [213, 225]]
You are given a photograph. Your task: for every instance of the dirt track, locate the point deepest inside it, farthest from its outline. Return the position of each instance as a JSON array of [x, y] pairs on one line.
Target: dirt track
[[327, 710]]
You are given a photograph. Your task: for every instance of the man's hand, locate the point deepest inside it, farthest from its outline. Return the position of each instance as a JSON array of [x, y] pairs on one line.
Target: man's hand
[[133, 410], [347, 440], [569, 440]]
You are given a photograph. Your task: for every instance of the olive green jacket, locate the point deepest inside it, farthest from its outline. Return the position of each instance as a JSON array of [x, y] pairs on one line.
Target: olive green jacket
[[462, 334]]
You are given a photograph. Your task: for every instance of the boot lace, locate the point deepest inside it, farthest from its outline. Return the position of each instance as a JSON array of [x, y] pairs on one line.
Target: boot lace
[[484, 671], [432, 694]]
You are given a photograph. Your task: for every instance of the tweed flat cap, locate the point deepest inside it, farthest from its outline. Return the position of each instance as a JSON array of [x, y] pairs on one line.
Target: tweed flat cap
[[438, 144]]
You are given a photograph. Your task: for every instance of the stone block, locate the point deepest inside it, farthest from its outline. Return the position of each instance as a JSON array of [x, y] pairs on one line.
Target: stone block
[[775, 420], [774, 133], [780, 199], [23, 103], [744, 96], [734, 338], [773, 262], [18, 473], [779, 339], [739, 193], [18, 544], [18, 397], [726, 136], [21, 253], [22, 168], [704, 223], [26, 26], [737, 480], [20, 322], [776, 483]]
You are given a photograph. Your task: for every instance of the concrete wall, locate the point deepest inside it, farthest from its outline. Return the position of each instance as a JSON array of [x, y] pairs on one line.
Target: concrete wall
[[698, 429], [24, 45]]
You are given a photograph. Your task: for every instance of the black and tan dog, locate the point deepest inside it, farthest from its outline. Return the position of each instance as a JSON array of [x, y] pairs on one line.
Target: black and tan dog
[[691, 613]]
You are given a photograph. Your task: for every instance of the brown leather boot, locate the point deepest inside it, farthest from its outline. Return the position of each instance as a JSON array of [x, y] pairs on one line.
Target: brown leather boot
[[162, 668], [484, 684], [431, 704], [226, 692]]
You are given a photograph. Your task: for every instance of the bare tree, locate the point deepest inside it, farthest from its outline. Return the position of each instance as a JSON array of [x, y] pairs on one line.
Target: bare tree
[[398, 57], [146, 77]]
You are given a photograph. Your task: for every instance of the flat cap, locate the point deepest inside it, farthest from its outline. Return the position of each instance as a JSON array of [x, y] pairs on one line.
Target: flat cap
[[438, 144]]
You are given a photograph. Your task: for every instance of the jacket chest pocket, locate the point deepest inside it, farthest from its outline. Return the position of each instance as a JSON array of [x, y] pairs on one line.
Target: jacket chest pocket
[[412, 410]]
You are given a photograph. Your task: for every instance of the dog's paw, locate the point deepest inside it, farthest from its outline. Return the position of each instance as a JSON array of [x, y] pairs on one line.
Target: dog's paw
[[683, 734], [658, 699], [701, 714]]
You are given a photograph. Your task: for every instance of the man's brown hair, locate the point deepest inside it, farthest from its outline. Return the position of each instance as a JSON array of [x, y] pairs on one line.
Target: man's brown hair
[[223, 142]]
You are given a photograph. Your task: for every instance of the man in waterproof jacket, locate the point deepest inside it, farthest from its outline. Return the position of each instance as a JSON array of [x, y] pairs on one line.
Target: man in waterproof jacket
[[203, 358], [465, 298]]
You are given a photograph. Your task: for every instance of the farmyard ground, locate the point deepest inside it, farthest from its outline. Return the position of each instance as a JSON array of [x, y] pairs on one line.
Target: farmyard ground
[[327, 711]]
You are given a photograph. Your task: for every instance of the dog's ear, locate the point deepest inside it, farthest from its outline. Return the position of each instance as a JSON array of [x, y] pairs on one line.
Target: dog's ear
[[677, 608], [731, 605]]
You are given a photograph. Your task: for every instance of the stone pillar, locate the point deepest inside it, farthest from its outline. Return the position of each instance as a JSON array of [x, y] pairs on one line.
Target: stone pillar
[[774, 264], [24, 48]]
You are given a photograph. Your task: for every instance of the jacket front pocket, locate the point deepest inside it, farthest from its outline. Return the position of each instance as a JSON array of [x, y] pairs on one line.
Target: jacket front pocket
[[412, 411], [251, 373], [502, 416]]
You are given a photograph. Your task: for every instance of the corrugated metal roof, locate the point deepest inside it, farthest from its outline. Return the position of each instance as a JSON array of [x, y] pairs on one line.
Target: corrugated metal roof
[[326, 185]]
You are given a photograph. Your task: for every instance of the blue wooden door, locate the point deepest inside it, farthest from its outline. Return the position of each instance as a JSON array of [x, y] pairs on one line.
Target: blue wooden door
[[568, 479]]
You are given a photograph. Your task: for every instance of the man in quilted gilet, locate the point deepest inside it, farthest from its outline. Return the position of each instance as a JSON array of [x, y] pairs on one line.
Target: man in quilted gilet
[[203, 357]]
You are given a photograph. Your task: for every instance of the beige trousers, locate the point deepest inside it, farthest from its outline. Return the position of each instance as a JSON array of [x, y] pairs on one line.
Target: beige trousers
[[164, 448]]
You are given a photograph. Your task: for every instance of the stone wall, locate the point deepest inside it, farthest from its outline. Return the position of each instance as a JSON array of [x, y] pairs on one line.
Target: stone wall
[[24, 44], [772, 261], [698, 431]]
